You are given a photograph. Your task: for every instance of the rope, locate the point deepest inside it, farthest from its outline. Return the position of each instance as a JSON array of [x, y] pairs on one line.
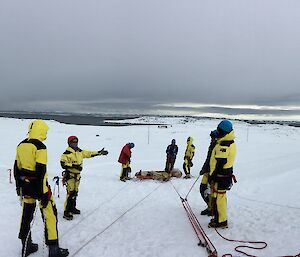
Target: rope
[[264, 245], [111, 224], [90, 213], [192, 187], [200, 233], [209, 245]]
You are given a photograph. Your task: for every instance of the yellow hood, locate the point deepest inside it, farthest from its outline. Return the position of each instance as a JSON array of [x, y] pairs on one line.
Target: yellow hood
[[190, 141], [38, 130]]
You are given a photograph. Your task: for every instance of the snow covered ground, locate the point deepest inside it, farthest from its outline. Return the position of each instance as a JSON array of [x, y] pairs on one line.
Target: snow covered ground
[[135, 219]]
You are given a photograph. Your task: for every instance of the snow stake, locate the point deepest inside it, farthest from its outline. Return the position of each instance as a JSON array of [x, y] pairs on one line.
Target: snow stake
[[9, 172]]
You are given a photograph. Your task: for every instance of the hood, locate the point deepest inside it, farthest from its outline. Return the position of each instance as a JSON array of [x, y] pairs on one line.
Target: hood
[[228, 137], [190, 141], [38, 130]]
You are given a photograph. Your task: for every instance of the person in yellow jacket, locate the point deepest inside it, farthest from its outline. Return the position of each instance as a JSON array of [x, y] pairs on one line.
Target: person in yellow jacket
[[188, 157], [72, 162], [30, 172], [221, 172]]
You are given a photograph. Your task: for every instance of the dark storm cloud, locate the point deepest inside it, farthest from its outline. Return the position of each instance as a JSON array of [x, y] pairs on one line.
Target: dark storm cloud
[[235, 51]]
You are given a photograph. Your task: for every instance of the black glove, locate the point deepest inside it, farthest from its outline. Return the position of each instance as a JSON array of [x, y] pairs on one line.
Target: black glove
[[212, 178], [191, 164], [77, 167], [44, 200], [103, 152]]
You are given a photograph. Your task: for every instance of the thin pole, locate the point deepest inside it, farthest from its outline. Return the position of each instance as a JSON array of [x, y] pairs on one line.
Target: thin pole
[[148, 134], [247, 132]]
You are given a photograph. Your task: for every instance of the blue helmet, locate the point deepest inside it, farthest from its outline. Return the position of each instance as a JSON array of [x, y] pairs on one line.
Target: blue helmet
[[131, 145], [225, 125]]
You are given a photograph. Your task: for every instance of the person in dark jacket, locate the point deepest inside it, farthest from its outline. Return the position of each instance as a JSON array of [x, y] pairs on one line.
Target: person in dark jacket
[[30, 172], [204, 186], [124, 159], [171, 151], [72, 162]]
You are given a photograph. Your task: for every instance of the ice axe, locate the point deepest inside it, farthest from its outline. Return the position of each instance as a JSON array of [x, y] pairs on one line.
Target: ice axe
[[56, 181]]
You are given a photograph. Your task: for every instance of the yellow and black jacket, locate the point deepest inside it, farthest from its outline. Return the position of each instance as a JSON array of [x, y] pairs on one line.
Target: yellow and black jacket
[[190, 149], [72, 159], [222, 160], [30, 170]]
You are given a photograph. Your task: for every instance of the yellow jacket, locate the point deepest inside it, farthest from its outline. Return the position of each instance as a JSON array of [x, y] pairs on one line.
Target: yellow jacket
[[30, 168], [190, 149], [72, 160], [225, 152]]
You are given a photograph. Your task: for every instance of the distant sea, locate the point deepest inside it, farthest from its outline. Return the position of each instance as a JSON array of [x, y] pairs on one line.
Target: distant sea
[[97, 113]]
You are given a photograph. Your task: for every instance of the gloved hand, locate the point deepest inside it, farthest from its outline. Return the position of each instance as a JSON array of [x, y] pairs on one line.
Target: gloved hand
[[206, 192], [202, 171], [191, 164], [44, 199], [103, 152], [77, 167], [211, 179]]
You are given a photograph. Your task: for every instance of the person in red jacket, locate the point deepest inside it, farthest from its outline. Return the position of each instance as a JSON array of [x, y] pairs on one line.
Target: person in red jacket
[[124, 159]]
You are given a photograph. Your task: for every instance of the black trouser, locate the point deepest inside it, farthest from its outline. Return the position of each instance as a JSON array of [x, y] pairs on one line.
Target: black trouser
[[71, 201], [170, 163], [125, 172], [49, 215], [27, 216]]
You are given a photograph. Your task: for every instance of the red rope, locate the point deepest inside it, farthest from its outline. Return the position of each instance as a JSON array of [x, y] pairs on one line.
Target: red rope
[[264, 245], [205, 242], [249, 247]]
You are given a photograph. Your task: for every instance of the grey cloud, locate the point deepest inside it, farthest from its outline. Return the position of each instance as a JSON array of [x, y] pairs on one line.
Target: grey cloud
[[234, 51]]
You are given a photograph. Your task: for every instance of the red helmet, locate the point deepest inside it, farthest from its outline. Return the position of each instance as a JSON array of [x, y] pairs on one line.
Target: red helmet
[[71, 138]]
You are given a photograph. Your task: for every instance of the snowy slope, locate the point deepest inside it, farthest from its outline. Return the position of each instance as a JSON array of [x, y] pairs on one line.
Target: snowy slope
[[146, 218]]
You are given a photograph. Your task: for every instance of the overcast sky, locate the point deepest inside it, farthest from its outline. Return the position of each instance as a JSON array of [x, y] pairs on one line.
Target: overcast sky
[[202, 51]]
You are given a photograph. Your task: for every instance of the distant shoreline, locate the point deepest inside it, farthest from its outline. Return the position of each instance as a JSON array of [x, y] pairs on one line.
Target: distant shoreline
[[103, 119]]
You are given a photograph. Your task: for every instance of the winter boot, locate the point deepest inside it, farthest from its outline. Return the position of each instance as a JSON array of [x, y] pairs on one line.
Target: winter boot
[[206, 212], [187, 176], [214, 224], [123, 179], [76, 211], [68, 215], [55, 251], [28, 248]]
